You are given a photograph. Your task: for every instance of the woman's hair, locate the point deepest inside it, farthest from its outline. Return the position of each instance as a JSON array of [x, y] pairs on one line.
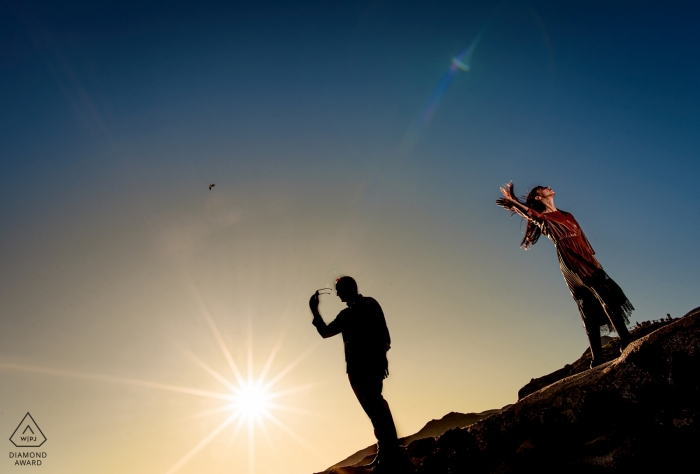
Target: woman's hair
[[532, 231]]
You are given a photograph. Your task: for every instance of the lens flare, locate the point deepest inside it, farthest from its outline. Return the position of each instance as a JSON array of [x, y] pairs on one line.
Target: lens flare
[[461, 62]]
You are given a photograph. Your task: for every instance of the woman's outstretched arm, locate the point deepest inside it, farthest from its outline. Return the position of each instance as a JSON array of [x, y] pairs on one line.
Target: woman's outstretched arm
[[510, 202]]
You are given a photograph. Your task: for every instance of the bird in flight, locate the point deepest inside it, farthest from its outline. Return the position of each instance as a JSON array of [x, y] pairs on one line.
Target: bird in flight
[[212, 186]]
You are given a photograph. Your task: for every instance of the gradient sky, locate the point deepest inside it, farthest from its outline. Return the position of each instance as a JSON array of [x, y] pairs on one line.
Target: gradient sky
[[117, 260]]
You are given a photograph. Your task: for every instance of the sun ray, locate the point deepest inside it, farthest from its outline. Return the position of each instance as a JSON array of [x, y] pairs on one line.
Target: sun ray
[[224, 349], [217, 335], [270, 443], [213, 373], [113, 379], [270, 359], [250, 352], [291, 433], [241, 422], [251, 447], [264, 431], [292, 390], [202, 443], [299, 411], [289, 368], [206, 413]]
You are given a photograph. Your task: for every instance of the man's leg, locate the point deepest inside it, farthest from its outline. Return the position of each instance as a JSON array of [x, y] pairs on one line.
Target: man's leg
[[390, 458], [368, 390]]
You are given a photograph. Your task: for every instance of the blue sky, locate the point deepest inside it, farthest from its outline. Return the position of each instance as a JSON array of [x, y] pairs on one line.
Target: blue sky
[[116, 116]]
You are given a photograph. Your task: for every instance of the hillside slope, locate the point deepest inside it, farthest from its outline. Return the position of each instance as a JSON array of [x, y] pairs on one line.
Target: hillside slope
[[433, 428], [637, 413]]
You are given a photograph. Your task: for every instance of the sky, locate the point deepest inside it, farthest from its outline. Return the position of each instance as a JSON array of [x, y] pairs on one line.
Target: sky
[[135, 302]]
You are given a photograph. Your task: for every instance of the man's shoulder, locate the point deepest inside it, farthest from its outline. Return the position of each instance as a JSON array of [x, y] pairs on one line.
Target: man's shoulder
[[344, 314], [368, 300], [371, 304]]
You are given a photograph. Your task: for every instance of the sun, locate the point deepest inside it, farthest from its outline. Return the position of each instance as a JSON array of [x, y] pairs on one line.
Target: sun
[[252, 401], [248, 399]]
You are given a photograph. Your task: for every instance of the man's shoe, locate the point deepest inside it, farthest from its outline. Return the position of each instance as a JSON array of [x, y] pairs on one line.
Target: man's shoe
[[394, 461], [596, 362], [373, 463]]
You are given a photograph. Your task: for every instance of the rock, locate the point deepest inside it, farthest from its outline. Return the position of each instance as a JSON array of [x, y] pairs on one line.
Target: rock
[[611, 350], [429, 432], [637, 413]]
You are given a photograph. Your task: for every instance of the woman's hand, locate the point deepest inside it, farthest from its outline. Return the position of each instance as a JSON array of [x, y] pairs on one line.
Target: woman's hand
[[507, 191], [504, 203], [508, 201]]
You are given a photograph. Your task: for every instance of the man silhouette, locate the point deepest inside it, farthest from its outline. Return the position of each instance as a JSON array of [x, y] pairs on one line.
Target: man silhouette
[[366, 340]]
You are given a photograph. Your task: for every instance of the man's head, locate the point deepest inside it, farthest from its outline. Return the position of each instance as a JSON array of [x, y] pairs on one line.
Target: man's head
[[346, 289]]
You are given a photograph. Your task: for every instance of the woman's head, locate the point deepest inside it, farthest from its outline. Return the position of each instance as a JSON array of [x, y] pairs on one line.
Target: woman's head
[[538, 199], [537, 195]]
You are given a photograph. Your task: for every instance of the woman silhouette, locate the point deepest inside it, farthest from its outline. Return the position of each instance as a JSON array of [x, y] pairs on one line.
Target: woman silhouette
[[600, 300]]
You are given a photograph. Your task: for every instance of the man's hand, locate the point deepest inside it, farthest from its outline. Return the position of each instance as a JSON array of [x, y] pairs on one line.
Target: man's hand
[[313, 303]]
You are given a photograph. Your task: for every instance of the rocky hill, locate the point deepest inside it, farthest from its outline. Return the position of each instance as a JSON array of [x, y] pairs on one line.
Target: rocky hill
[[432, 429], [639, 412], [611, 350]]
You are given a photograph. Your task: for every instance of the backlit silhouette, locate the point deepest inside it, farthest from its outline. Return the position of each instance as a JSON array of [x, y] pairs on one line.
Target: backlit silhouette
[[600, 300], [366, 339]]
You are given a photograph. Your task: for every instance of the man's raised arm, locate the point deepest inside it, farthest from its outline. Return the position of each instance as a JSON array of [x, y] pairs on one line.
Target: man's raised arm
[[325, 330]]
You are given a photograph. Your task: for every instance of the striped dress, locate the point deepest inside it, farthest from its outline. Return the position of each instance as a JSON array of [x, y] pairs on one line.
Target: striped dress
[[593, 290]]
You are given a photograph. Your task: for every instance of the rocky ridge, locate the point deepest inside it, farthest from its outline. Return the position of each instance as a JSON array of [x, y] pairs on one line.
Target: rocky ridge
[[432, 429], [636, 413], [611, 351]]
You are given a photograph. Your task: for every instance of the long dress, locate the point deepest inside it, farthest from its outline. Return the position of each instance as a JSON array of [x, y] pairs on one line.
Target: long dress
[[600, 300]]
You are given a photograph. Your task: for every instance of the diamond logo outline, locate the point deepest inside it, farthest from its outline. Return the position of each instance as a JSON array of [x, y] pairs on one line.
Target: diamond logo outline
[[29, 423]]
